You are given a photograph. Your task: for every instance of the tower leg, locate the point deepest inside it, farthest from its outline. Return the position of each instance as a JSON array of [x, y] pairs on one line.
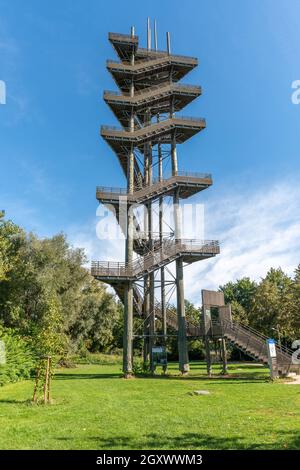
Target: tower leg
[[128, 331], [128, 301], [224, 356], [146, 349], [208, 357], [152, 320], [182, 339], [163, 310]]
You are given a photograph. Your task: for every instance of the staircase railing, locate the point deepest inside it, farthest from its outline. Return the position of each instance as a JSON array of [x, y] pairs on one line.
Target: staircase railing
[[254, 343], [264, 337], [180, 87], [188, 177], [164, 56], [154, 125], [168, 249]]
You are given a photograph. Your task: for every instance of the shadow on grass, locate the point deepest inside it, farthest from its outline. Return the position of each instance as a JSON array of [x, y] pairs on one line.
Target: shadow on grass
[[234, 378], [87, 376], [240, 378], [15, 402], [190, 441], [7, 401]]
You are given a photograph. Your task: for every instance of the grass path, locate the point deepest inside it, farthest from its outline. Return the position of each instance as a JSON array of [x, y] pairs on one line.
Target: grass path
[[96, 409]]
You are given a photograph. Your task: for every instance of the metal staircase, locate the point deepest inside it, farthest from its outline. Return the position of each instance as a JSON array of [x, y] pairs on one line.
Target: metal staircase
[[253, 343], [248, 340]]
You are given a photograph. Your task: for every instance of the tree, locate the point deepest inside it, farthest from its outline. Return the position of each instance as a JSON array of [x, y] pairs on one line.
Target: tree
[[98, 314], [10, 239], [242, 291], [273, 305], [193, 314], [240, 294], [48, 293], [296, 303]]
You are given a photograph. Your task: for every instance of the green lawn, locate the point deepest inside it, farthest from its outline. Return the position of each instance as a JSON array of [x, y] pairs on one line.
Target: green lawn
[[96, 409]]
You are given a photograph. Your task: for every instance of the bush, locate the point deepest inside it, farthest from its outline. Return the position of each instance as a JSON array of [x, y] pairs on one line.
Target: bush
[[97, 358], [141, 367], [18, 360]]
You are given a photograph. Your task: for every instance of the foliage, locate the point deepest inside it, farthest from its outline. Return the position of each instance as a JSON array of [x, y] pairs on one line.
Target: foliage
[[48, 295], [10, 239], [240, 295], [141, 367], [98, 358], [94, 329], [17, 359], [271, 306], [192, 313]]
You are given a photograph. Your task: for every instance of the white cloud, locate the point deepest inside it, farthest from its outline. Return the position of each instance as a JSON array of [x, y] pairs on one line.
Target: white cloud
[[84, 236], [261, 231], [258, 229]]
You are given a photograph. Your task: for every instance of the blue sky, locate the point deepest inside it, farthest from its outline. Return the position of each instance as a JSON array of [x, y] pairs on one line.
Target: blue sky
[[52, 59]]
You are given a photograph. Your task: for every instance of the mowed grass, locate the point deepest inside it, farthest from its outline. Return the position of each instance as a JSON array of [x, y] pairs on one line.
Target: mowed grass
[[94, 408]]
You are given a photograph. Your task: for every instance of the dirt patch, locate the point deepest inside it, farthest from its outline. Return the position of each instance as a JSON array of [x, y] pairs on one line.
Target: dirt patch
[[294, 381]]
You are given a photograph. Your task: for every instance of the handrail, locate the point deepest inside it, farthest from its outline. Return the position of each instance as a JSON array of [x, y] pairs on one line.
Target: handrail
[[111, 189], [146, 234], [264, 337], [154, 124], [249, 329], [165, 251], [172, 86], [182, 173], [153, 51], [167, 57], [156, 180], [123, 36]]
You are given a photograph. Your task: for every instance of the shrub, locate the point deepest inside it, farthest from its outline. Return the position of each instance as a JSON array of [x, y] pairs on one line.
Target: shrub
[[141, 367], [18, 360], [97, 358]]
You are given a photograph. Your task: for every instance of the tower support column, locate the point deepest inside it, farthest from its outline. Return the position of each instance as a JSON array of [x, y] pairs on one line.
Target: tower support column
[[128, 331], [128, 298], [208, 356], [146, 347], [151, 319], [174, 156], [224, 356], [182, 339]]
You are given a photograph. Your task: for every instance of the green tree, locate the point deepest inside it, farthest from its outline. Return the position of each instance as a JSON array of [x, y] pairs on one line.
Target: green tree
[[45, 268], [49, 278], [193, 314], [94, 327], [240, 294], [11, 237], [242, 291], [273, 305], [296, 303]]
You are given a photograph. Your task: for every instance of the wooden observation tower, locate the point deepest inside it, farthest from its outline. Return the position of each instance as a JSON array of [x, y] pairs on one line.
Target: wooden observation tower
[[147, 104]]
